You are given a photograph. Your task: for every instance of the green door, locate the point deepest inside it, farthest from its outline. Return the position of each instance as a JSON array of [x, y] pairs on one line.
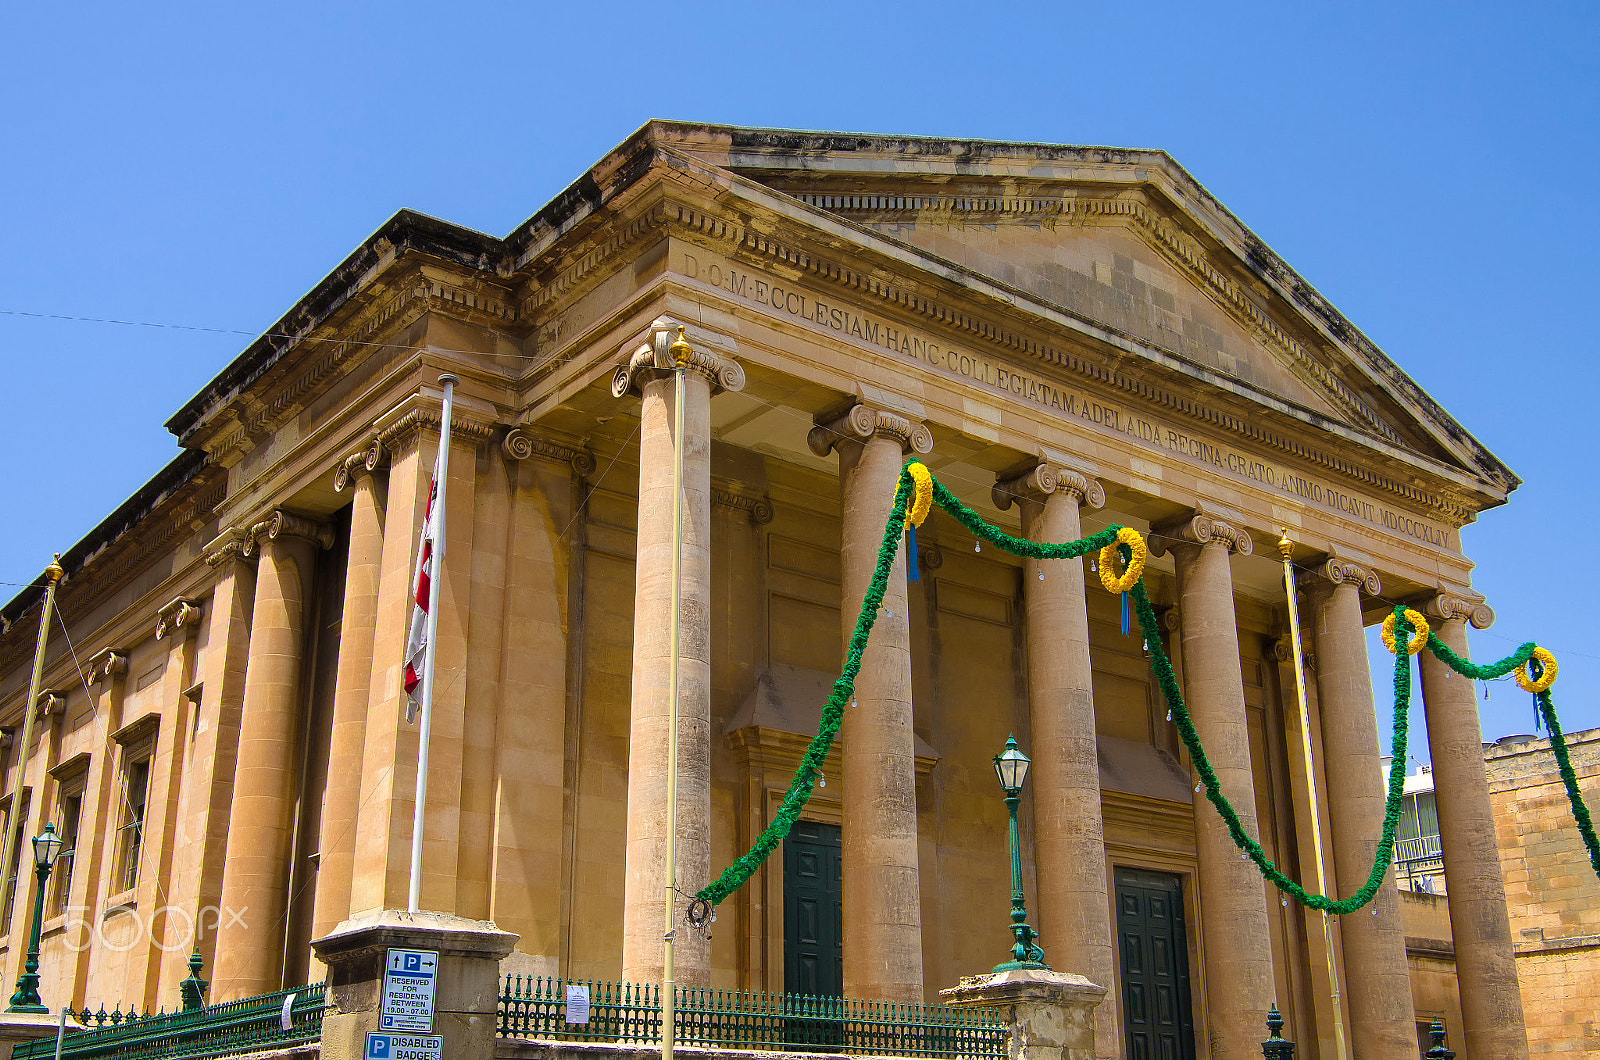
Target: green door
[[813, 928], [1157, 1023]]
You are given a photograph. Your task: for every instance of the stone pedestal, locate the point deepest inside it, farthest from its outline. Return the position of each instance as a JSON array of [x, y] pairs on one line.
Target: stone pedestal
[[1051, 1014], [19, 1027], [466, 990]]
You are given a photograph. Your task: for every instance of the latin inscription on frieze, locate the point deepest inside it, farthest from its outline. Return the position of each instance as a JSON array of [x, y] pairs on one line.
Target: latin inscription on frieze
[[827, 313]]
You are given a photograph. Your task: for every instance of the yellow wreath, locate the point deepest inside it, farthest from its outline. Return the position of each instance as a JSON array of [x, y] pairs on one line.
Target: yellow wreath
[[1419, 635], [922, 493], [1524, 672], [1127, 535]]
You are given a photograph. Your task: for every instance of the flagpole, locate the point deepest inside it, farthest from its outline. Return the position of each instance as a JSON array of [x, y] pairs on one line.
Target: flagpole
[[435, 577], [53, 574], [669, 1020], [1286, 547]]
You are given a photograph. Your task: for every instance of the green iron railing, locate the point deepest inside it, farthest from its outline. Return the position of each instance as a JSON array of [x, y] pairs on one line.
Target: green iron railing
[[630, 1013], [229, 1029]]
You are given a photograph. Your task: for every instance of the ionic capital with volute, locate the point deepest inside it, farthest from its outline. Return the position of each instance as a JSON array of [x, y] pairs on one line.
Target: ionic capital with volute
[[363, 461], [1046, 479], [860, 422], [471, 421], [1283, 651], [227, 546], [52, 703], [107, 665], [177, 614], [1458, 603], [520, 443], [282, 524], [657, 356], [1199, 528], [1337, 570]]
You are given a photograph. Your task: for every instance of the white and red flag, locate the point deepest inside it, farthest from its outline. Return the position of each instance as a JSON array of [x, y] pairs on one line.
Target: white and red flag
[[417, 641]]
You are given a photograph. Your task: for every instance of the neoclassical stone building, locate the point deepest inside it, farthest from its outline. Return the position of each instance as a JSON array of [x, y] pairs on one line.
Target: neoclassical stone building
[[1068, 337]]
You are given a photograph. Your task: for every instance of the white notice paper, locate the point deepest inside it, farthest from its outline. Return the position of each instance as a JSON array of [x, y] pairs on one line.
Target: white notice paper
[[577, 1003], [286, 1017]]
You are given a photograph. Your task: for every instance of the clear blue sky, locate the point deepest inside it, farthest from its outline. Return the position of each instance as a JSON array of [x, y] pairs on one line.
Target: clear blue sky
[[1428, 167]]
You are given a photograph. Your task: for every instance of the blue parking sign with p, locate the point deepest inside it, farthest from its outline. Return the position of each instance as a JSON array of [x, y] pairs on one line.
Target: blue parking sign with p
[[377, 1047]]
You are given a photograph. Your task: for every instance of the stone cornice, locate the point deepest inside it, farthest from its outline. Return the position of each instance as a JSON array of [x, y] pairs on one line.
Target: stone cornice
[[1199, 528], [520, 443], [860, 422], [1045, 479], [654, 358]]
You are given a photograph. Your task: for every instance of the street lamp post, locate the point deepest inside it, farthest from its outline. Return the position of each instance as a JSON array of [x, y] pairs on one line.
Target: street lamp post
[[46, 846], [1011, 766]]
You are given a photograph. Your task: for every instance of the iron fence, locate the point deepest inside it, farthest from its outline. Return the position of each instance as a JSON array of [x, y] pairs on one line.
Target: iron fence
[[282, 1018], [630, 1013]]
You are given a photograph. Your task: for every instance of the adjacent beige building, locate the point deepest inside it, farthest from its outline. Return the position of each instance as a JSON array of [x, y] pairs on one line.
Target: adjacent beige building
[[1068, 337]]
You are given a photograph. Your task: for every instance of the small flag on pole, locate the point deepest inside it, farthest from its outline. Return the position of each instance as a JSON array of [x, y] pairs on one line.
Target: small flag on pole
[[417, 641]]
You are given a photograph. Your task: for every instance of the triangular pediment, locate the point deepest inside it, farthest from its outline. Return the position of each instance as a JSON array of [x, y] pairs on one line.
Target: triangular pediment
[[1125, 241]]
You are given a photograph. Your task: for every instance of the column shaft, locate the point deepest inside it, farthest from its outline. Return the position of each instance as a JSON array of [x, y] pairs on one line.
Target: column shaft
[[882, 905], [352, 690], [1237, 954], [1491, 1001], [645, 878], [1068, 832], [1377, 975], [255, 878]]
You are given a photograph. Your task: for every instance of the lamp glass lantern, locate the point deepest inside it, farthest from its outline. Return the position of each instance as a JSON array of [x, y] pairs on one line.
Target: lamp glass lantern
[[46, 846]]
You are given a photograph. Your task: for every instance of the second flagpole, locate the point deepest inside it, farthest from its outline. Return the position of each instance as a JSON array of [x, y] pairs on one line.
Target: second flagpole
[[436, 575]]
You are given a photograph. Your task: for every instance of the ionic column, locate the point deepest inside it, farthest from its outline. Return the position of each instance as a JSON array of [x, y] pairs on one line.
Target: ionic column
[[882, 905], [1491, 1001], [1237, 957], [255, 877], [650, 374], [352, 686], [1377, 976], [1068, 835]]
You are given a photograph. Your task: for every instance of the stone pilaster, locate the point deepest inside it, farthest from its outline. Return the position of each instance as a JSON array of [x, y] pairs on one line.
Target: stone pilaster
[[882, 906], [255, 877], [1068, 833], [1237, 952], [358, 473], [1377, 976], [650, 374], [1491, 1000]]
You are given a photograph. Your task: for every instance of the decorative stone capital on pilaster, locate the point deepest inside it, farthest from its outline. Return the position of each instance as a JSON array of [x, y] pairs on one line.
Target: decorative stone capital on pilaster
[[1168, 617], [109, 664], [52, 703], [1458, 603], [282, 524], [471, 421], [860, 422], [1283, 651], [227, 546], [1199, 528], [1336, 570], [758, 506], [361, 462], [654, 357], [520, 443], [175, 615], [1045, 479]]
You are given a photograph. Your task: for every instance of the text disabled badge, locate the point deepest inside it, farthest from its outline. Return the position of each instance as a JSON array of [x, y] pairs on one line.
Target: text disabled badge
[[404, 1046], [408, 980]]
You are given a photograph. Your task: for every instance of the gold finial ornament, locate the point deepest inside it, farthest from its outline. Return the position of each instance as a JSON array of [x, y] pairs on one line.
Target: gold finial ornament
[[680, 349], [54, 572], [1285, 546]]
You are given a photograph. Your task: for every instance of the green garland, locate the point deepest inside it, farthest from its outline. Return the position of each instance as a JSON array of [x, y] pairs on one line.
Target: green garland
[[738, 873]]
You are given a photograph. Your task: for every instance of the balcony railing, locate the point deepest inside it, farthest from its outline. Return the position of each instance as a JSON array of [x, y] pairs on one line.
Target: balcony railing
[[630, 1013], [1419, 849]]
